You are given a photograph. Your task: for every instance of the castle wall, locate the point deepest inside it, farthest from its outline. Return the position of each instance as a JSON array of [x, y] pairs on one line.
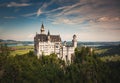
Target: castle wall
[[66, 53], [46, 48]]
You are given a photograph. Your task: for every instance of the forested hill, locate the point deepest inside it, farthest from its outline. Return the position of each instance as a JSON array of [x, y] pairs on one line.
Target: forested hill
[[15, 43], [110, 50], [86, 67]]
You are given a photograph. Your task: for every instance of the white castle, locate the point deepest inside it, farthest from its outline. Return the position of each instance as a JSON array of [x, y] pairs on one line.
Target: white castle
[[45, 44]]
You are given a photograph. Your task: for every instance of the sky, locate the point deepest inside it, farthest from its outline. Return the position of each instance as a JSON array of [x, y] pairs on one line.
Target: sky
[[90, 20]]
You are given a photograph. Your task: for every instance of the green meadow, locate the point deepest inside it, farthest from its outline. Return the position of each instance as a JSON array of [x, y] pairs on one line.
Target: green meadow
[[20, 50], [110, 58]]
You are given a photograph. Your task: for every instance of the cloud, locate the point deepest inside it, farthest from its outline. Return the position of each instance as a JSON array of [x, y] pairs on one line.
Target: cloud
[[85, 11], [25, 0], [108, 19], [66, 9], [70, 21], [9, 17], [63, 20], [39, 12], [44, 6], [29, 14], [54, 10], [14, 4]]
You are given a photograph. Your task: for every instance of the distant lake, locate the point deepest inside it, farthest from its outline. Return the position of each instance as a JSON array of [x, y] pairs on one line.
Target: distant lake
[[98, 44], [94, 45]]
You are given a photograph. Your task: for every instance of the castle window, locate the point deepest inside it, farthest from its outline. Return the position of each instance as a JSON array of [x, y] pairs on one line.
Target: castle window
[[56, 46]]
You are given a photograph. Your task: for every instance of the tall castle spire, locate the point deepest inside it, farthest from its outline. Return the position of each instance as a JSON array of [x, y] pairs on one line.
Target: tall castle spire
[[48, 35], [42, 29], [48, 32]]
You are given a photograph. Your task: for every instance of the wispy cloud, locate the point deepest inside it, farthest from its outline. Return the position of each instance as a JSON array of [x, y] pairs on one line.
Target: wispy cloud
[[29, 14], [108, 19], [54, 10], [44, 6], [63, 21], [39, 12], [9, 17], [14, 4], [85, 11], [66, 9], [25, 0]]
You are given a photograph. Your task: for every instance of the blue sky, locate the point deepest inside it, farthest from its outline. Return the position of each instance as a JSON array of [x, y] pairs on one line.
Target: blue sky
[[90, 20]]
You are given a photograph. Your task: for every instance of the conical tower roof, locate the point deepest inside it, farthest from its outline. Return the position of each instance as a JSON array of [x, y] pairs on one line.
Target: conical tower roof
[[48, 32], [42, 29]]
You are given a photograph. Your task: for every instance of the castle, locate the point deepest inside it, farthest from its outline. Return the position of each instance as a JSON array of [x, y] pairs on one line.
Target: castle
[[45, 44]]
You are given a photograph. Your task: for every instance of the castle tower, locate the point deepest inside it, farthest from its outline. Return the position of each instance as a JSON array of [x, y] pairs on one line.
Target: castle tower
[[74, 41], [48, 35], [42, 29]]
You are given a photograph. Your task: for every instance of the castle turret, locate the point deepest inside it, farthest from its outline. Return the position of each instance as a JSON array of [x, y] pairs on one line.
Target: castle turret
[[48, 32], [74, 41], [42, 29], [48, 35]]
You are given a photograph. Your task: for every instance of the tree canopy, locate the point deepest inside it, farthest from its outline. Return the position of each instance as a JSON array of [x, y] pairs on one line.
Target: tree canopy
[[85, 68]]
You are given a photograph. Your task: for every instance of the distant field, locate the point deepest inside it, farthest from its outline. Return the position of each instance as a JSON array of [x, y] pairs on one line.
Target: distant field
[[100, 51], [110, 58], [21, 50]]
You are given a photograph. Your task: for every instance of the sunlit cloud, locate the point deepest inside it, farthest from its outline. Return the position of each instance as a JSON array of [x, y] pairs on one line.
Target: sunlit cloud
[[39, 12], [14, 4], [108, 19], [63, 21]]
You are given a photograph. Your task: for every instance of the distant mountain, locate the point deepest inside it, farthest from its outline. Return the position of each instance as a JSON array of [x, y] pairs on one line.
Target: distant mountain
[[99, 43], [15, 43], [1, 40], [8, 41], [11, 40]]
